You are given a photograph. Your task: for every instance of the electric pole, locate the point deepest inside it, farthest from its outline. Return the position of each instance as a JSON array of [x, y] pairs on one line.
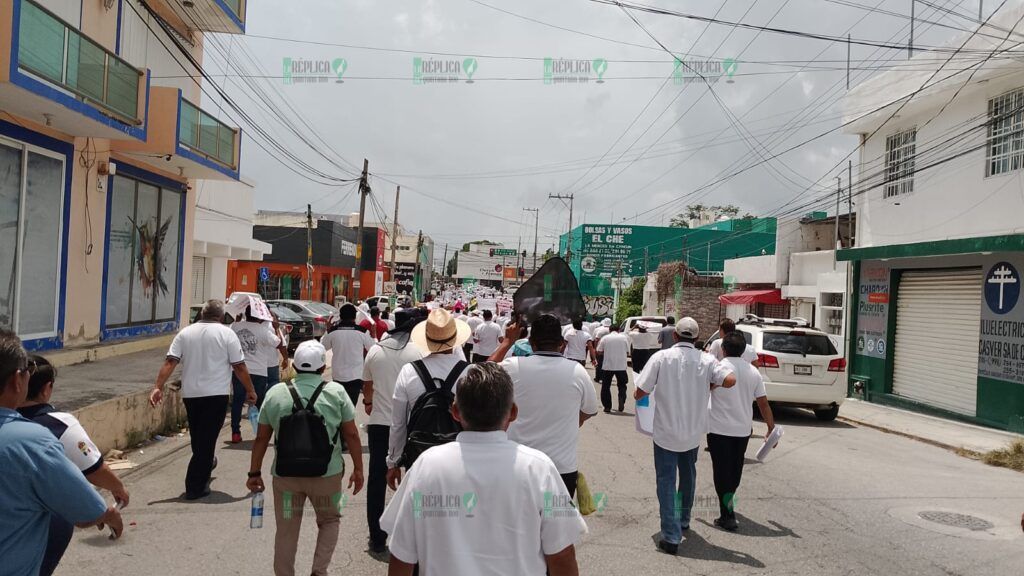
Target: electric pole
[[394, 235], [536, 227], [444, 263], [364, 191], [849, 202], [416, 277], [309, 251], [568, 244]]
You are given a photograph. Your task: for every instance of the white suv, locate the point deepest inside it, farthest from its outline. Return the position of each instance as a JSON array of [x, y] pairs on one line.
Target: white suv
[[800, 365]]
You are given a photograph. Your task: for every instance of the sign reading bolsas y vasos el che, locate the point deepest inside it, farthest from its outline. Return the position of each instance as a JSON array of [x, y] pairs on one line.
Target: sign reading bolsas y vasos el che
[[1001, 340]]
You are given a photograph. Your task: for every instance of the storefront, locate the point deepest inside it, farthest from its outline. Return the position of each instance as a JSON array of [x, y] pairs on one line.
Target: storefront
[[939, 327]]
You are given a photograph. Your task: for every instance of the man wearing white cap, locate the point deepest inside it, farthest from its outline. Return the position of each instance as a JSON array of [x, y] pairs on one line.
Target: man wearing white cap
[[439, 337], [683, 378], [281, 406]]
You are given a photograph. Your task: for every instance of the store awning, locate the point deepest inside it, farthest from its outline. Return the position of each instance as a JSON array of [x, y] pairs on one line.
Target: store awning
[[753, 297]]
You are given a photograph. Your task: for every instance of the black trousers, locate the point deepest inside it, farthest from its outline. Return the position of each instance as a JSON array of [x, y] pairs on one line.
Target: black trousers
[[598, 372], [376, 483], [570, 480], [478, 358], [621, 379], [727, 454], [206, 416], [640, 358], [353, 387]]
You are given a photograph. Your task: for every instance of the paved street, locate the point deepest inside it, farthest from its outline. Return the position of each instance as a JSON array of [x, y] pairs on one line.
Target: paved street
[[833, 499]]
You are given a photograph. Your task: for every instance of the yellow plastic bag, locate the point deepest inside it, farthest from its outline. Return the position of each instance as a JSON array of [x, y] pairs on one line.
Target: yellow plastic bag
[[287, 374], [584, 500]]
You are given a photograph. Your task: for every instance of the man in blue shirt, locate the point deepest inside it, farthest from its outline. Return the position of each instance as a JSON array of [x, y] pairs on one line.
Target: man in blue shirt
[[38, 479]]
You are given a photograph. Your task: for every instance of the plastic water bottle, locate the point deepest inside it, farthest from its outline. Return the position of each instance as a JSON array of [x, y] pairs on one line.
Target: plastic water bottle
[[254, 419], [256, 514]]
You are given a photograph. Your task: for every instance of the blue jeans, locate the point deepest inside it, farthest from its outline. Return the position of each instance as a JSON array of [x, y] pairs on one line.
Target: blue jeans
[[238, 398], [675, 502]]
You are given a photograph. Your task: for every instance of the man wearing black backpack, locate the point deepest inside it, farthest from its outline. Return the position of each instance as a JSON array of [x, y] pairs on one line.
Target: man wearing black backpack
[[420, 410], [306, 417]]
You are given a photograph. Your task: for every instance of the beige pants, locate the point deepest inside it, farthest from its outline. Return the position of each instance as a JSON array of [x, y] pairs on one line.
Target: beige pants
[[290, 496]]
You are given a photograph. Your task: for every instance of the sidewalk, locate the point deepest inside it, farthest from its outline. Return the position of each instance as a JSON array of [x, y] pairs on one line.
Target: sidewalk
[[945, 433], [90, 383]]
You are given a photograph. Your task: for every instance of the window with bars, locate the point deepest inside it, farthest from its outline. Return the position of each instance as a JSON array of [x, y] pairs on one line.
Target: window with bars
[[900, 149], [1005, 149]]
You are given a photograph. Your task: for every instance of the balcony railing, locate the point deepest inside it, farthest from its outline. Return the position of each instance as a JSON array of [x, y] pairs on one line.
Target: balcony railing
[[52, 49], [206, 135]]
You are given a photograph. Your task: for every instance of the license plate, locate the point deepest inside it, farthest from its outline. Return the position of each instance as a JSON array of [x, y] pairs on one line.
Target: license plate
[[801, 370]]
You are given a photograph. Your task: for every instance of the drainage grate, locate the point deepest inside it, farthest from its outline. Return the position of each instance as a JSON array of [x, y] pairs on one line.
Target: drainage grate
[[972, 523]]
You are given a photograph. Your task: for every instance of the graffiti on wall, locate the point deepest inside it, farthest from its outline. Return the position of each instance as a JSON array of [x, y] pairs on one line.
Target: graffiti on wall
[[598, 306]]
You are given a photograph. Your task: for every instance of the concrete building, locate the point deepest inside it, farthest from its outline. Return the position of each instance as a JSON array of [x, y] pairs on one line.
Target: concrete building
[[937, 314], [103, 136]]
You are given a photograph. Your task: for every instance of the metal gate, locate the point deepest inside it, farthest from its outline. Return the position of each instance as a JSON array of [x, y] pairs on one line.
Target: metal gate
[[198, 280], [938, 317]]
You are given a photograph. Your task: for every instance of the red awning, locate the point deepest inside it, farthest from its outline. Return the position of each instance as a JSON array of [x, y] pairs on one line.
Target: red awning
[[753, 297]]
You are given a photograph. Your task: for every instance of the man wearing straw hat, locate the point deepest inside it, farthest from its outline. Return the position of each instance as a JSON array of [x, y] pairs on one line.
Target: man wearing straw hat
[[438, 337]]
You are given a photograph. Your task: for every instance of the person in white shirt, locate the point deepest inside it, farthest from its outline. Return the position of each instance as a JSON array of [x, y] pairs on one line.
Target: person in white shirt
[[473, 320], [260, 343], [208, 352], [348, 343], [602, 330], [729, 425], [724, 329], [439, 336], [643, 338], [555, 396], [483, 504], [612, 353], [579, 344], [681, 379], [380, 372], [486, 338]]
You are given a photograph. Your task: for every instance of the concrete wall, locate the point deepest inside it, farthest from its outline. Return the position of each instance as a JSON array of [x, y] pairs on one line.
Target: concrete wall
[[752, 270], [123, 422]]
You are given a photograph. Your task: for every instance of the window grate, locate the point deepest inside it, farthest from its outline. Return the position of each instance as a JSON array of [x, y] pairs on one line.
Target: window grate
[[1005, 149], [900, 150]]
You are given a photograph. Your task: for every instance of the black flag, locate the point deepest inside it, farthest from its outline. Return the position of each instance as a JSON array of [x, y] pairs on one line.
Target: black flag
[[552, 290]]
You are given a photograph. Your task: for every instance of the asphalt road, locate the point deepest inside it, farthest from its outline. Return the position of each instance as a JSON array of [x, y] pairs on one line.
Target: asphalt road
[[832, 499]]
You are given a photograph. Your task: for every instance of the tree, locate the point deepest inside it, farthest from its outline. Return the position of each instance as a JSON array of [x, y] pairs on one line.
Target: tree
[[549, 254], [697, 211], [631, 300], [679, 221], [453, 265]]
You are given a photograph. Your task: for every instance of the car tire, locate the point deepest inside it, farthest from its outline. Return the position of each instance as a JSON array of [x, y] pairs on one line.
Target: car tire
[[827, 414]]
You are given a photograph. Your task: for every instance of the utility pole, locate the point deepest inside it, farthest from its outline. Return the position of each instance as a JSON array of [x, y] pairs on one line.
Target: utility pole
[[910, 46], [419, 250], [839, 192], [647, 262], [536, 227], [707, 263], [568, 245], [364, 191], [394, 234], [444, 263], [849, 202], [848, 61], [309, 251]]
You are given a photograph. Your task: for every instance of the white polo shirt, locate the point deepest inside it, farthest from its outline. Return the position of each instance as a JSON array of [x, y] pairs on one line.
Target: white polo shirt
[[382, 365], [207, 351], [408, 388], [347, 344], [474, 322], [615, 347], [732, 409], [601, 332], [482, 505], [576, 343], [550, 391], [485, 338], [715, 349], [681, 377], [78, 447]]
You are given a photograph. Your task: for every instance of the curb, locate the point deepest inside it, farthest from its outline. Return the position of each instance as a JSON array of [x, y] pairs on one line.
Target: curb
[[957, 449]]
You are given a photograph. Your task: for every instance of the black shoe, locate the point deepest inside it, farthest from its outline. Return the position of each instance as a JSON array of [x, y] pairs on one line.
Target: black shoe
[[202, 494], [668, 547], [607, 410], [729, 524], [622, 407]]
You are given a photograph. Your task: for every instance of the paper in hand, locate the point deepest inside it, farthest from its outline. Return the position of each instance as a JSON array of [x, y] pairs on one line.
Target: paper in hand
[[769, 443]]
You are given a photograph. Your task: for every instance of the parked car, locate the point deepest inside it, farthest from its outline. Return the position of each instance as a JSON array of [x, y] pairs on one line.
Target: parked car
[[380, 301], [322, 316], [800, 365], [631, 322], [297, 329]]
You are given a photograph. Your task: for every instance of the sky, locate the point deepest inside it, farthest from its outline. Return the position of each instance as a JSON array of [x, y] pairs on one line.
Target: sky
[[636, 148]]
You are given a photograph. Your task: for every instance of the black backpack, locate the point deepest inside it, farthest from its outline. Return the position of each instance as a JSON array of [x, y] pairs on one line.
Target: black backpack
[[304, 447], [431, 422]]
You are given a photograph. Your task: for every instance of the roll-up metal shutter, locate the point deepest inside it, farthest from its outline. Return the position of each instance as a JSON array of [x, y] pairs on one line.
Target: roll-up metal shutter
[[938, 317], [198, 280]]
